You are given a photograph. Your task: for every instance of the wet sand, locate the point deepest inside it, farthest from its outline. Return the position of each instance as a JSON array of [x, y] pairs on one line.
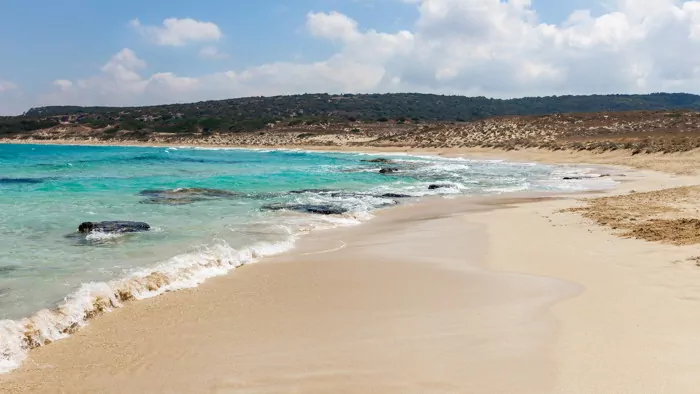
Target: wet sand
[[391, 306], [503, 295]]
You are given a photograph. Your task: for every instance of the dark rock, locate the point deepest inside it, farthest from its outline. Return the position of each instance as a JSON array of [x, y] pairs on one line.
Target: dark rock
[[436, 186], [379, 160], [394, 195], [321, 209], [388, 170], [575, 177], [302, 191], [113, 227]]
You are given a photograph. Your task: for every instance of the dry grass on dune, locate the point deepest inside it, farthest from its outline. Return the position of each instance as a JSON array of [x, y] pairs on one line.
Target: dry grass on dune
[[668, 216]]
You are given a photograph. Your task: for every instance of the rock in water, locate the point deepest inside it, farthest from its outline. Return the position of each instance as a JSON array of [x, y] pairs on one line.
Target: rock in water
[[388, 170], [185, 195], [321, 209], [436, 186], [319, 191], [379, 160], [394, 195], [20, 181], [114, 227]]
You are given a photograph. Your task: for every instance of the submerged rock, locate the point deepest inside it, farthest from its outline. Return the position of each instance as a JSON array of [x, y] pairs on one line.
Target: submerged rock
[[388, 170], [190, 191], [577, 177], [117, 226], [173, 200], [20, 181], [185, 195], [321, 209], [379, 160], [302, 191], [394, 195]]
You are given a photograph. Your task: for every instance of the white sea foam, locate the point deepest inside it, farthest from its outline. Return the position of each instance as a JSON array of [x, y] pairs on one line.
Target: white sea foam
[[180, 272], [183, 271], [100, 236]]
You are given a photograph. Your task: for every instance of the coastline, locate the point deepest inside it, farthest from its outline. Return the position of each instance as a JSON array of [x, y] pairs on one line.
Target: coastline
[[318, 305], [684, 163]]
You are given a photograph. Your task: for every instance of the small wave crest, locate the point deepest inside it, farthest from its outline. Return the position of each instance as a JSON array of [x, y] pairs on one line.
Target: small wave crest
[[97, 236], [188, 270]]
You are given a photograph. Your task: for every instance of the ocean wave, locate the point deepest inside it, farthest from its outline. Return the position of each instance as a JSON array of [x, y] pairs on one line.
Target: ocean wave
[[17, 337], [183, 271]]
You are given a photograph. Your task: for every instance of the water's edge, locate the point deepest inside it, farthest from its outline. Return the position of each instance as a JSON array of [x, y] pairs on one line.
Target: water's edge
[[18, 337]]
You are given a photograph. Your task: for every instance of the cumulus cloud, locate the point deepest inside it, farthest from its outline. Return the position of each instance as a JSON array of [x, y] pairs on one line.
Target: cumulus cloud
[[333, 25], [179, 32], [120, 82], [475, 47], [63, 84]]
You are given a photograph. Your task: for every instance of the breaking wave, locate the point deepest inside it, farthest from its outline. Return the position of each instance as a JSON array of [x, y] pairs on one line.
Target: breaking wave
[[17, 337]]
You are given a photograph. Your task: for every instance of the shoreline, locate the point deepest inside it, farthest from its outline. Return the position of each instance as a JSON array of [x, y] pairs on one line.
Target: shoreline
[[544, 315], [426, 212], [49, 325], [684, 163]]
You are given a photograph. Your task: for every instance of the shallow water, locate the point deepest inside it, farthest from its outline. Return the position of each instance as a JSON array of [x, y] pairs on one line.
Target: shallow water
[[47, 191]]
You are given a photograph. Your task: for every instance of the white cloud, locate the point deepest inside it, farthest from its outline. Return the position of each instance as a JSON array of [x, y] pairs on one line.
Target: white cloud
[[120, 83], [179, 32], [7, 85], [473, 47], [212, 52], [333, 25], [63, 84]]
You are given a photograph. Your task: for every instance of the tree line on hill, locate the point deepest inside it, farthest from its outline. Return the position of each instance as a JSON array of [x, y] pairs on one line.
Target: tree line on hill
[[255, 113]]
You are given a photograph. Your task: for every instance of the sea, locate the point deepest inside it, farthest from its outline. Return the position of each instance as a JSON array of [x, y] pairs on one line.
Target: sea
[[210, 210]]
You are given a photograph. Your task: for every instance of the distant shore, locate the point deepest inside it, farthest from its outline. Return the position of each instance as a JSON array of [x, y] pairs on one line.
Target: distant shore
[[678, 163]]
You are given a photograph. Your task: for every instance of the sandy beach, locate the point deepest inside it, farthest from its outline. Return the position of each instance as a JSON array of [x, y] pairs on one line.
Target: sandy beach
[[514, 294]]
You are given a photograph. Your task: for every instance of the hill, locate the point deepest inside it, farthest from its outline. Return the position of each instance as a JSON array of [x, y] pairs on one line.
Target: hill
[[256, 113]]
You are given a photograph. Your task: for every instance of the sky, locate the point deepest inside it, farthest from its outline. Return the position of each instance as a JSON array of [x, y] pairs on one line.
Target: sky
[[128, 52]]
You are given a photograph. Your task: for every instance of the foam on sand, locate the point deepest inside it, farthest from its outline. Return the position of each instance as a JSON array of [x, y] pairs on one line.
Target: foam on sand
[[92, 299]]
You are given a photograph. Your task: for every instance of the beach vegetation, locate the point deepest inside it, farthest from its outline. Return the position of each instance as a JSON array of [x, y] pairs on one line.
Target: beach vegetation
[[311, 110]]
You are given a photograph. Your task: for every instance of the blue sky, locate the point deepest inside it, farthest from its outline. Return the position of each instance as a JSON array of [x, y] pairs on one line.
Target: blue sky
[[268, 43]]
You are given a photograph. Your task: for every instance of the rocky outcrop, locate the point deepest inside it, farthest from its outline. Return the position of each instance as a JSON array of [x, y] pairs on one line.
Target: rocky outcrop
[[389, 170], [321, 209], [113, 227]]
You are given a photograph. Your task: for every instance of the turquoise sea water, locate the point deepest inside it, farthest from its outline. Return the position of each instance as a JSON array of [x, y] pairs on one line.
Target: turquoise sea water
[[52, 278]]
